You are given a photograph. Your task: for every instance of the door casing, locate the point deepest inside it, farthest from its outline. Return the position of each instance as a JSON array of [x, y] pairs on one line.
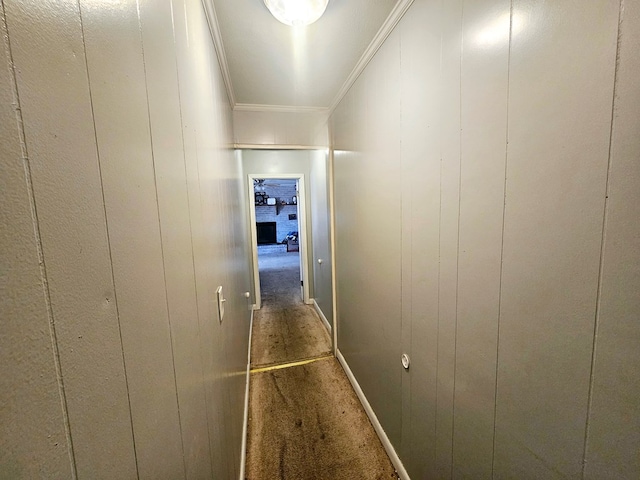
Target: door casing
[[302, 234]]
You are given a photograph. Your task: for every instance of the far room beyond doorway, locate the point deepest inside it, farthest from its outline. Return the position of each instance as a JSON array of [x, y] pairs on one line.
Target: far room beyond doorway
[[276, 207], [276, 210]]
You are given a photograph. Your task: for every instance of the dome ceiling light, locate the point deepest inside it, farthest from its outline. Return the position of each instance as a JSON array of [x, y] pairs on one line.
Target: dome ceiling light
[[297, 12]]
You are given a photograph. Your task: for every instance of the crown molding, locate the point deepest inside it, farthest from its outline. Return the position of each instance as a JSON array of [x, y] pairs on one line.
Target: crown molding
[[216, 37], [385, 30], [250, 107]]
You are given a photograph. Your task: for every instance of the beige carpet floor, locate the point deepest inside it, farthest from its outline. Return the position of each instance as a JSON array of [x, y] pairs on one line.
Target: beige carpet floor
[[305, 421], [285, 329]]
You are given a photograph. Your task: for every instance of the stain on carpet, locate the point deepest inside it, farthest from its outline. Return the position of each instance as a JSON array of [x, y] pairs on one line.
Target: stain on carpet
[[306, 423], [282, 335]]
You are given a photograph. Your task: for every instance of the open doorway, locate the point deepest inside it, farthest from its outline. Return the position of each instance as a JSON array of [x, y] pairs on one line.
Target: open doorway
[[278, 229]]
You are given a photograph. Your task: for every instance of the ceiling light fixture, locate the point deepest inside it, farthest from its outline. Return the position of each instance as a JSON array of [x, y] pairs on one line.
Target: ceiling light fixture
[[297, 12]]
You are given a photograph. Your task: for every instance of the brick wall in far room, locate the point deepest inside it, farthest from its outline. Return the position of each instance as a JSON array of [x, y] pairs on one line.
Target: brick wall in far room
[[280, 213]]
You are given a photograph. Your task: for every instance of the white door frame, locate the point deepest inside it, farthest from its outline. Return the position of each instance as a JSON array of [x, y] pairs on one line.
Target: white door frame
[[302, 233]]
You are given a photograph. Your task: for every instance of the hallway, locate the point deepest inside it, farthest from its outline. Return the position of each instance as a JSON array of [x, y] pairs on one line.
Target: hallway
[[305, 420], [468, 201], [284, 329]]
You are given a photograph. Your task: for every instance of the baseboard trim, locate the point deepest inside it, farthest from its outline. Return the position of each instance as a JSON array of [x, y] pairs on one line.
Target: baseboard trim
[[321, 315], [245, 420], [386, 443]]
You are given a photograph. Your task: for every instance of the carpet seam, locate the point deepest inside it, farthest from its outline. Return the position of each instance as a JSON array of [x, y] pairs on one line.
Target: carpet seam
[[280, 366]]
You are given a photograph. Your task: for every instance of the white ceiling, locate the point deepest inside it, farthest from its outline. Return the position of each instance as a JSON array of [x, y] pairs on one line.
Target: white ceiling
[[273, 64]]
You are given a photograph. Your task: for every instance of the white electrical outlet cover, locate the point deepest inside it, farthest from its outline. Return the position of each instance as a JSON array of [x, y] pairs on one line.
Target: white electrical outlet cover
[[405, 361]]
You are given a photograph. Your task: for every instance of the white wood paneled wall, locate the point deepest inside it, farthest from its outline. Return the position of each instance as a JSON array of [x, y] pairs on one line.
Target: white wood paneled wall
[[122, 212], [486, 188], [264, 127]]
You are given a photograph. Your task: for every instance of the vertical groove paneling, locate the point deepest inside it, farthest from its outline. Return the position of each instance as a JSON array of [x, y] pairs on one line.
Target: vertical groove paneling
[[32, 430], [320, 231], [52, 78], [449, 230], [484, 75], [419, 188], [613, 426], [215, 202], [557, 163], [204, 305], [166, 131], [115, 63], [368, 215], [108, 126], [499, 241], [406, 239], [420, 50]]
